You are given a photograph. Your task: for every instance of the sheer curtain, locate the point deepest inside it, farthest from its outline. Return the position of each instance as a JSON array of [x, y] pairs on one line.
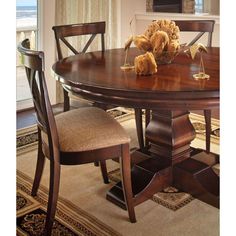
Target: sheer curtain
[[84, 11]]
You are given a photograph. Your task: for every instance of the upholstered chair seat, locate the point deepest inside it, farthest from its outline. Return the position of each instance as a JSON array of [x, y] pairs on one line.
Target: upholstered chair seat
[[89, 124]]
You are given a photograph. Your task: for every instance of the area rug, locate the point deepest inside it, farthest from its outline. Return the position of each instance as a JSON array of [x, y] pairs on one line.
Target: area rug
[[84, 223], [70, 220]]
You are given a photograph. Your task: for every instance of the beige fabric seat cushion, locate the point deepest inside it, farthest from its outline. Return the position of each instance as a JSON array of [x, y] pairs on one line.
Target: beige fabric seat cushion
[[88, 128]]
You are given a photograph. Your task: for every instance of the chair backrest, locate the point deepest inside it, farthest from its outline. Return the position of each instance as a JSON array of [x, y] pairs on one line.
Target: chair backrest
[[201, 26], [33, 62], [63, 31]]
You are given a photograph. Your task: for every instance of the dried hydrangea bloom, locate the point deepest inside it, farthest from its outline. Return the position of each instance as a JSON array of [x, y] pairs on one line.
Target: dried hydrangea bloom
[[159, 41], [167, 26], [142, 43], [145, 64]]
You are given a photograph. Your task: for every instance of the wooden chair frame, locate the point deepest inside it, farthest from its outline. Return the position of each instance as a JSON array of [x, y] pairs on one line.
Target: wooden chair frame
[[63, 31], [34, 65]]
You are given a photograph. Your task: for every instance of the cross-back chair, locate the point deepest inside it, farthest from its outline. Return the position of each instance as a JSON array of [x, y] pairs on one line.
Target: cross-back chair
[[62, 32], [75, 137], [202, 27]]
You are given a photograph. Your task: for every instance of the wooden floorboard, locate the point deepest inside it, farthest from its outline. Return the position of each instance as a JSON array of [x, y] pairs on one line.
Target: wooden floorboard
[[27, 118]]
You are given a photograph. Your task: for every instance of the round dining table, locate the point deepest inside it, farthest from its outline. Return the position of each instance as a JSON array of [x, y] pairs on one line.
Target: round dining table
[[170, 93]]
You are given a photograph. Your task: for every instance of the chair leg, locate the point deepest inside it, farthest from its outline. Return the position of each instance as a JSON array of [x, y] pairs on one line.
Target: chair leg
[[39, 166], [96, 163], [207, 115], [66, 101], [103, 167], [53, 196], [139, 127], [126, 181], [147, 117], [147, 121]]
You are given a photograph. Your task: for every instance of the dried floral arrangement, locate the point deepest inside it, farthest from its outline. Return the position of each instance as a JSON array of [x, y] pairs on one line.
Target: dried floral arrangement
[[160, 42], [161, 38]]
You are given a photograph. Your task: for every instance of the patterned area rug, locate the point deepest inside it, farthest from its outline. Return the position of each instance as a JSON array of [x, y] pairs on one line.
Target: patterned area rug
[[199, 126], [71, 220]]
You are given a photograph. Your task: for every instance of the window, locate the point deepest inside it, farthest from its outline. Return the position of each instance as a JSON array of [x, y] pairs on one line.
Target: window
[[26, 27], [198, 6]]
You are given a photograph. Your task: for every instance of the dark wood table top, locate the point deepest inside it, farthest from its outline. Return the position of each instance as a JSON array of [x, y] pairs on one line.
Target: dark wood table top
[[98, 76]]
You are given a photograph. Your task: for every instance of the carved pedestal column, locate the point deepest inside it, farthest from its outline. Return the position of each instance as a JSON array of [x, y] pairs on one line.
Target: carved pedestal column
[[170, 134]]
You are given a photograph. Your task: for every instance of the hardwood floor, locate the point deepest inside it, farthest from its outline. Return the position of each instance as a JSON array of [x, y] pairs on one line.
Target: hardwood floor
[[27, 117]]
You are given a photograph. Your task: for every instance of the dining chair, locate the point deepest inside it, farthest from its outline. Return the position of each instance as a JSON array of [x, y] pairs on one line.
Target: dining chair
[[75, 137], [63, 32], [201, 27]]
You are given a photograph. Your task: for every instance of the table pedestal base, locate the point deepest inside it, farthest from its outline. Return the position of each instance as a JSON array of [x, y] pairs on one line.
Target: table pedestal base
[[190, 175], [169, 163]]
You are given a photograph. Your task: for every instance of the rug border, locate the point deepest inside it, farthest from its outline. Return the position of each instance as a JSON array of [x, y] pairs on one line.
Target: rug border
[[95, 225]]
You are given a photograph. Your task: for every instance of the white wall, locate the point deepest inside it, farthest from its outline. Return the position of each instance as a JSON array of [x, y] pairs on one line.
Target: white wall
[[212, 6], [137, 8], [128, 8], [144, 19]]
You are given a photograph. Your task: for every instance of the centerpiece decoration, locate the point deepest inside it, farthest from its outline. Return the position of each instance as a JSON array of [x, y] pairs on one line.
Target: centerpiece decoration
[[160, 44], [127, 65], [192, 51], [162, 39]]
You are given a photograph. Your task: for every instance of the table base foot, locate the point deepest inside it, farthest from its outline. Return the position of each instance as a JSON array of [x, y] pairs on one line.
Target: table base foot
[[154, 174], [198, 179], [148, 177]]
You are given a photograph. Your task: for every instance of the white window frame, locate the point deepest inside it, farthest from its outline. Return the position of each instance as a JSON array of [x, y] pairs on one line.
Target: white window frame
[[27, 103], [46, 43]]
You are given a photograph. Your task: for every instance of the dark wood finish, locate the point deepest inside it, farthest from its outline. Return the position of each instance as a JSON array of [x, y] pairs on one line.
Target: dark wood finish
[[198, 179], [170, 93], [190, 176], [207, 116], [148, 177], [201, 26], [170, 134], [172, 87], [39, 165], [63, 31], [34, 66], [139, 127]]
